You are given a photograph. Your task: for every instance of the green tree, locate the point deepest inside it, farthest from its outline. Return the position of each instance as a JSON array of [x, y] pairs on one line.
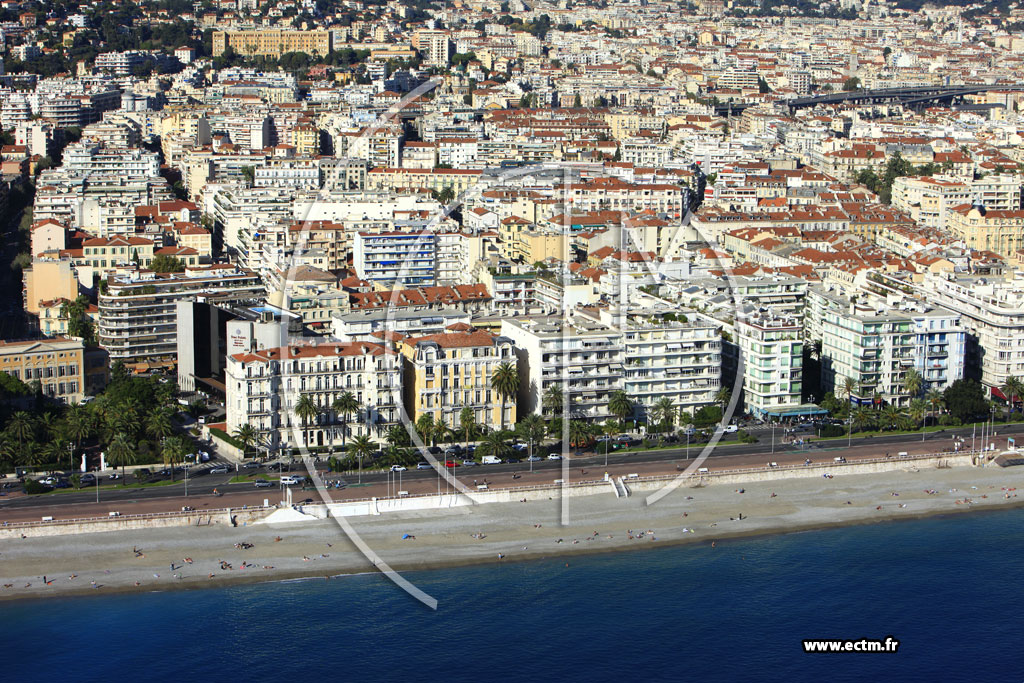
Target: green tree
[[935, 401], [173, 451], [22, 426], [850, 84], [247, 435], [664, 413], [467, 423], [426, 428], [495, 443], [965, 400], [912, 382], [362, 447], [505, 383], [162, 263], [862, 418], [580, 434], [620, 405], [345, 405], [158, 424], [722, 398], [79, 424], [532, 430], [121, 452], [553, 401], [398, 435], [1012, 388], [307, 410]]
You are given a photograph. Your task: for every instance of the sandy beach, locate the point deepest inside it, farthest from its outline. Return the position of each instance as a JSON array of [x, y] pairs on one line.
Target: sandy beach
[[155, 559]]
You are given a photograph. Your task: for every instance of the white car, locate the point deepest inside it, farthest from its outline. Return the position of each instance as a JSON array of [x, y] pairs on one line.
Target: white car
[[397, 468], [729, 429], [554, 456]]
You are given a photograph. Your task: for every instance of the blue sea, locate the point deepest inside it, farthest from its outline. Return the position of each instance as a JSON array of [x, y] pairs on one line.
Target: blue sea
[[946, 588]]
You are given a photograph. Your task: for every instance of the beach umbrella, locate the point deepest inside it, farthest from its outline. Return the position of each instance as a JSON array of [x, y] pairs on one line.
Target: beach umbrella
[[405, 536]]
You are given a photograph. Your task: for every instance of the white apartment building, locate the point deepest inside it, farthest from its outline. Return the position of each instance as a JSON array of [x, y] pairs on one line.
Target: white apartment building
[[138, 311], [876, 343], [584, 359], [929, 200], [772, 351], [992, 312], [408, 259], [263, 388]]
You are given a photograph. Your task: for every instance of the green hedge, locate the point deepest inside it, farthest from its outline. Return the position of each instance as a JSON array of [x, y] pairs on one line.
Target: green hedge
[[226, 438]]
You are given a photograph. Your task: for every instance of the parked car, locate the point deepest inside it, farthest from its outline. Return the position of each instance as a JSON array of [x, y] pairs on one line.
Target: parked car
[[289, 480], [434, 450], [263, 484], [219, 469], [251, 465], [470, 463], [534, 458], [491, 460], [451, 463], [729, 429], [424, 466], [88, 479], [397, 468], [554, 456]]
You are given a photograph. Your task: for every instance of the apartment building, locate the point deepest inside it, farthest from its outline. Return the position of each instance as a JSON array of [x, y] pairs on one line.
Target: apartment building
[[138, 311], [263, 387], [64, 367], [679, 358], [772, 351], [583, 358], [929, 201], [389, 258], [272, 42], [875, 344], [992, 314], [999, 231], [445, 373]]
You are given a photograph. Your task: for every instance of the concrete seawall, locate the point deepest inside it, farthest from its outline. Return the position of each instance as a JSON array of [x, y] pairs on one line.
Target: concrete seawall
[[238, 517], [380, 506]]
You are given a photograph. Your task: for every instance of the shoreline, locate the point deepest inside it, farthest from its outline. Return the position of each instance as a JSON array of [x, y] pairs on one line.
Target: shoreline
[[510, 529], [254, 578]]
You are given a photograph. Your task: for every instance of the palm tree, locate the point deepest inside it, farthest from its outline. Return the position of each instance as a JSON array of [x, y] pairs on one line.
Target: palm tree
[[862, 417], [552, 401], [891, 416], [918, 411], [934, 399], [664, 412], [361, 447], [173, 451], [397, 436], [158, 424], [466, 422], [306, 409], [426, 428], [22, 427], [248, 435], [722, 397], [79, 424], [345, 405], [912, 382], [495, 443], [505, 382], [850, 387], [1011, 389], [122, 452], [55, 450], [531, 429], [620, 405], [579, 434]]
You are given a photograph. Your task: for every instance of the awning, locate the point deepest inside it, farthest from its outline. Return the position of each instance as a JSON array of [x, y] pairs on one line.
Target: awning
[[998, 394]]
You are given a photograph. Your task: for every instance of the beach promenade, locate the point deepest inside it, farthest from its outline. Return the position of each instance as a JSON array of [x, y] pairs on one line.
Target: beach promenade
[[710, 511]]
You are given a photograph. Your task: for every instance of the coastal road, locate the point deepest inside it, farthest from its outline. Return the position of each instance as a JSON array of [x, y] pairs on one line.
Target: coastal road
[[69, 504]]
